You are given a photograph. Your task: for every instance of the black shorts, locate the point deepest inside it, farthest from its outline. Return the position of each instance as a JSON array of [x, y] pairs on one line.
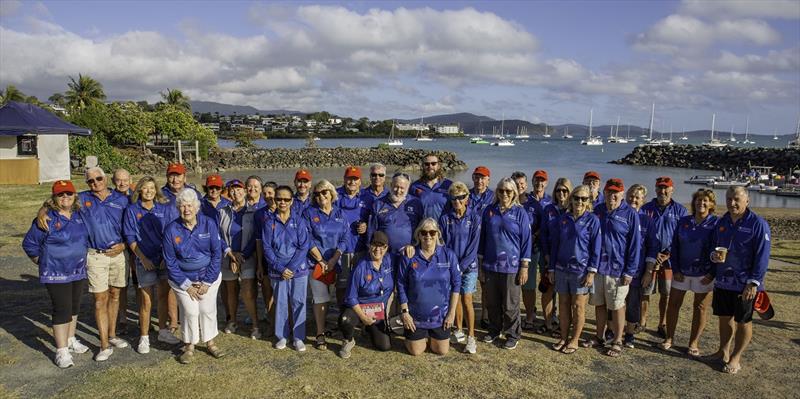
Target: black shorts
[[423, 333], [728, 303]]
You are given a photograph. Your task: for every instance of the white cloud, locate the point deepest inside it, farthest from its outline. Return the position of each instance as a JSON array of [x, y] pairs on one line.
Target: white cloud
[[683, 33], [779, 9], [9, 7], [787, 60]]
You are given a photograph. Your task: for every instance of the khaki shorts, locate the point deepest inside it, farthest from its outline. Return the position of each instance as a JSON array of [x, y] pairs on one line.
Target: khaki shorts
[[247, 271], [608, 292], [105, 271]]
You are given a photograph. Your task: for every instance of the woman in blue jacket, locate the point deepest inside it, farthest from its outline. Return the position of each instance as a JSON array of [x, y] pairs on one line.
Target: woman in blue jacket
[[60, 253], [691, 267], [192, 250], [574, 259], [428, 284], [551, 214]]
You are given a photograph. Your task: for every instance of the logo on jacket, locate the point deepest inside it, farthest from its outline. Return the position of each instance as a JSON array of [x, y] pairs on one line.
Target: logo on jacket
[[316, 219], [139, 215], [721, 229], [87, 204], [414, 265], [178, 239], [369, 277], [58, 226]]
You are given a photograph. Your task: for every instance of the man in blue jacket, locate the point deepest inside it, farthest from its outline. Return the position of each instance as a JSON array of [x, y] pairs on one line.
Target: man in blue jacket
[[431, 187], [741, 256]]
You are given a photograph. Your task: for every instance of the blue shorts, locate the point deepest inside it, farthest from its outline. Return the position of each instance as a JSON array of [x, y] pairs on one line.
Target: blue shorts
[[533, 268], [148, 278], [469, 282], [571, 283]]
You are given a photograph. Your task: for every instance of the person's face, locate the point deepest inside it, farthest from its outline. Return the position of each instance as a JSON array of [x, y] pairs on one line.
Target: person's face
[[377, 177], [148, 191], [581, 202], [594, 184], [283, 200], [702, 205], [65, 200], [188, 211], [324, 198], [253, 188], [561, 194], [176, 181], [480, 182], [214, 192], [122, 182], [505, 196], [635, 199], [430, 166], [399, 187], [737, 203], [522, 185], [428, 236], [269, 194], [539, 184], [459, 201], [96, 182], [302, 186], [376, 252], [664, 194], [238, 194], [613, 199], [352, 184]]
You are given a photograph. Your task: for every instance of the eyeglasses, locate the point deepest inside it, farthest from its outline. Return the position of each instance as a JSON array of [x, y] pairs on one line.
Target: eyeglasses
[[321, 193], [97, 179], [431, 163], [505, 191], [562, 190], [428, 233], [458, 197], [65, 194], [279, 199], [581, 199], [377, 174]]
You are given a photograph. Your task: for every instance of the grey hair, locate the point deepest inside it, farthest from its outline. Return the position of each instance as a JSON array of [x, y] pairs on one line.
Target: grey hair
[[421, 226], [95, 169], [377, 165], [733, 190], [187, 196]]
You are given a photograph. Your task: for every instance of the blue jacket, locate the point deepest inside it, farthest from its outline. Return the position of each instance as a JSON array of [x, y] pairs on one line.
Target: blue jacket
[[462, 236], [213, 211], [146, 228], [664, 223], [748, 243], [398, 223], [433, 198], [355, 211], [426, 285], [479, 202], [286, 246], [61, 249], [691, 246], [505, 239], [545, 201], [328, 233], [622, 241], [601, 199], [260, 218], [647, 239], [367, 285], [536, 215], [551, 215], [237, 229], [172, 207], [575, 245], [103, 219], [299, 206], [192, 255]]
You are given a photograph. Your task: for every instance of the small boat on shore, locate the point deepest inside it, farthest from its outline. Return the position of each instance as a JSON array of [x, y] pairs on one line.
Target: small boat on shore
[[788, 191], [702, 179]]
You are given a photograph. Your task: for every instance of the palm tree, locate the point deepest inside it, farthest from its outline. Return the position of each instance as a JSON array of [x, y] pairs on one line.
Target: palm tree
[[57, 99], [177, 98], [11, 93], [83, 92]]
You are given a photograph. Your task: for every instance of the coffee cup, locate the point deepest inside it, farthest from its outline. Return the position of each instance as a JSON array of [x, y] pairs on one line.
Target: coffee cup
[[722, 253]]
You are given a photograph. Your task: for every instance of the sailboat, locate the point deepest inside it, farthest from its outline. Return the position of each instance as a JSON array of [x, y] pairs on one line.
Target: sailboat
[[420, 135], [747, 133], [394, 142], [733, 138], [715, 143], [591, 140], [503, 143], [522, 133], [546, 135], [501, 140], [684, 135], [628, 135], [775, 135], [650, 141], [796, 142], [566, 133], [613, 137]]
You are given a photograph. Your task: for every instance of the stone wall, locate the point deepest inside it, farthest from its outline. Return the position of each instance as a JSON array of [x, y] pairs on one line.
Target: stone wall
[[701, 157]]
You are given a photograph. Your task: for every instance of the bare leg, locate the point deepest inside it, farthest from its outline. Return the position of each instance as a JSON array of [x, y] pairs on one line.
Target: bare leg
[[469, 311], [618, 323], [231, 301], [145, 305], [440, 347], [529, 301], [564, 317], [725, 338], [122, 315], [73, 325], [459, 321], [645, 305], [702, 302], [416, 347], [61, 335], [172, 308], [675, 302], [663, 301], [547, 306], [319, 317], [113, 310], [101, 317], [601, 314], [744, 333], [578, 317], [249, 294]]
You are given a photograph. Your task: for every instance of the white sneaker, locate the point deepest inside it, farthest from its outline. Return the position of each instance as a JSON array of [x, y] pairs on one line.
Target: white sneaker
[[458, 337], [118, 342], [299, 345], [255, 334], [76, 346], [164, 335], [281, 344], [144, 345], [64, 358], [472, 345], [230, 328], [104, 354]]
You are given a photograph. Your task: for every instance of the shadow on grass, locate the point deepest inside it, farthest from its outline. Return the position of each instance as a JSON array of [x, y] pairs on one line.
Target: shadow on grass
[[788, 293]]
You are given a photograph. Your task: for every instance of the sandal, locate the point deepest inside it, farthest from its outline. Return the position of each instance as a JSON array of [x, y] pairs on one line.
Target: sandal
[[321, 344], [593, 342], [615, 350], [186, 357], [528, 325], [666, 345], [693, 353], [214, 351], [728, 369], [640, 328], [558, 346], [568, 350], [542, 330]]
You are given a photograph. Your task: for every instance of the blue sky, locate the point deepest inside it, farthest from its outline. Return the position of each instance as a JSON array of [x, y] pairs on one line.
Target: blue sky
[[538, 61]]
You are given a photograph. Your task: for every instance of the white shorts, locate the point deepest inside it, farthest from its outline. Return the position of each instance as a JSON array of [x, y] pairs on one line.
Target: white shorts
[[693, 284], [320, 292], [608, 292]]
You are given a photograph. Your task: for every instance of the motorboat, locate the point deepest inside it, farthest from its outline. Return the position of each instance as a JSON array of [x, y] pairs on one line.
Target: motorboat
[[702, 179], [503, 143]]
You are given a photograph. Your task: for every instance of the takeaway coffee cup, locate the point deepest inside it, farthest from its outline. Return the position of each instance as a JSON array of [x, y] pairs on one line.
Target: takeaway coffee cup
[[722, 253]]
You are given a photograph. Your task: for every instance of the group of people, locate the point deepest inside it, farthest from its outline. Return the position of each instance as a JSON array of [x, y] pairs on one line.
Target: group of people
[[404, 255]]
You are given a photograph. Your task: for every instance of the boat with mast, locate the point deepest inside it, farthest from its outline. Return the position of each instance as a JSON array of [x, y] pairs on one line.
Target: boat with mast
[[796, 142], [591, 140], [420, 135], [522, 133], [393, 142], [546, 134], [613, 136], [733, 138], [747, 133], [714, 143], [566, 135], [628, 135], [775, 135]]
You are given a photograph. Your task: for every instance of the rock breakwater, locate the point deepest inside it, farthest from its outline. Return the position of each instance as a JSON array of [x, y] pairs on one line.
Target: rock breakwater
[[701, 157]]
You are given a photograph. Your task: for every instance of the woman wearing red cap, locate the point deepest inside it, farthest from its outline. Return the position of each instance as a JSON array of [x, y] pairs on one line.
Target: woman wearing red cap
[[60, 253]]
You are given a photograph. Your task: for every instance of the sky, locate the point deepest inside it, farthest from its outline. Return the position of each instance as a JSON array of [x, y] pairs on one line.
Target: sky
[[541, 61]]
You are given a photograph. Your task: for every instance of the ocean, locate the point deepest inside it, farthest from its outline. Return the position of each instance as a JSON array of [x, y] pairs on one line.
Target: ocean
[[559, 157]]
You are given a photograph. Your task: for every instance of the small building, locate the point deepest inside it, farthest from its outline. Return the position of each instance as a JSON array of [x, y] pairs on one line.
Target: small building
[[335, 121], [448, 129]]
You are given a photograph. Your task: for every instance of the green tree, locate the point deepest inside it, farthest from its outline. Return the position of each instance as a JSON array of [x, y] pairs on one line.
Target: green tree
[[11, 93], [58, 99], [176, 98], [83, 92], [176, 124], [96, 117], [127, 123]]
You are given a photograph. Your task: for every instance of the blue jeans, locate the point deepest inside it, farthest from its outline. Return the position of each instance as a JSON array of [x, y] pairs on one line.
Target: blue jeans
[[290, 294]]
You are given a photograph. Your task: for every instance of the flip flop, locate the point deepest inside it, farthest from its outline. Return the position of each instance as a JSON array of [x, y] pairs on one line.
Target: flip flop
[[558, 346], [593, 342], [728, 369], [693, 353], [666, 345], [568, 350], [528, 325], [615, 350]]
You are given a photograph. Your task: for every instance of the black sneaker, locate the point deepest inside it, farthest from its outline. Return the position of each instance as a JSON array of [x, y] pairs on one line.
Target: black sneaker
[[510, 344], [609, 336], [489, 338], [628, 341], [662, 331]]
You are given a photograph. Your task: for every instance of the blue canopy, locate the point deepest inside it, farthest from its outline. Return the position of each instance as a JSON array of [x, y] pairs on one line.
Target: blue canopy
[[18, 118]]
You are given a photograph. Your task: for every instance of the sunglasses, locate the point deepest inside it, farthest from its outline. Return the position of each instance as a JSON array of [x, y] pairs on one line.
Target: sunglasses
[[279, 199], [377, 174], [428, 233], [321, 193], [214, 188], [505, 191], [562, 190], [458, 197], [430, 163], [97, 179], [581, 199], [65, 194]]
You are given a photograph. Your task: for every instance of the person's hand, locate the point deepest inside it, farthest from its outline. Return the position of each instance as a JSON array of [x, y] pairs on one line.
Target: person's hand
[[626, 280], [368, 321], [661, 258], [408, 250], [588, 280], [115, 250], [362, 228], [42, 219], [234, 265], [287, 274], [193, 292], [647, 278], [330, 265], [147, 264], [203, 289], [239, 257], [522, 275], [260, 274], [448, 321], [707, 279], [749, 292], [551, 277], [677, 277], [408, 322]]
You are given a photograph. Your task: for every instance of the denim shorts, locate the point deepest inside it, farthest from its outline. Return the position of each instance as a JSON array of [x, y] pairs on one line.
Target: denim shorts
[[533, 268], [148, 278], [571, 283], [469, 282]]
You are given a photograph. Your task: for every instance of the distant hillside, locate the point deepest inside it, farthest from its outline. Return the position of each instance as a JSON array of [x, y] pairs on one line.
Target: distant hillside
[[459, 118], [229, 109]]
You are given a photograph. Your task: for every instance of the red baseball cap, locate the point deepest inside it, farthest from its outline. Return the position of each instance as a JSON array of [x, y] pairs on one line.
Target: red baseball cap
[[63, 186], [482, 170], [214, 181], [178, 168], [302, 174], [664, 181], [352, 171], [591, 174], [541, 174], [615, 185]]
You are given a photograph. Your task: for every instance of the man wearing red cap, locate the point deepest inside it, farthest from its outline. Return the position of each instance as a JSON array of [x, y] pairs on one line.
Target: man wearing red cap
[[480, 195], [592, 179], [664, 213], [355, 211], [302, 195], [176, 182]]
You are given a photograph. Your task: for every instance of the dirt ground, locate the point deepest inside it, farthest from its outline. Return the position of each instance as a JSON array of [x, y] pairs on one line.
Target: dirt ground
[[255, 369]]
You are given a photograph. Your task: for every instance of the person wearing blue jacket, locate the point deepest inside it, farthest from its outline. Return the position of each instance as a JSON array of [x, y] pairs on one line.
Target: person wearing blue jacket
[[461, 232], [254, 199], [428, 284], [635, 197], [213, 201], [356, 213], [431, 187], [691, 268], [396, 214], [504, 253], [592, 180], [302, 196], [575, 242], [328, 234], [537, 200], [176, 182], [60, 253], [550, 217], [741, 243], [480, 195], [366, 300], [619, 262], [143, 227], [286, 243], [192, 251]]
